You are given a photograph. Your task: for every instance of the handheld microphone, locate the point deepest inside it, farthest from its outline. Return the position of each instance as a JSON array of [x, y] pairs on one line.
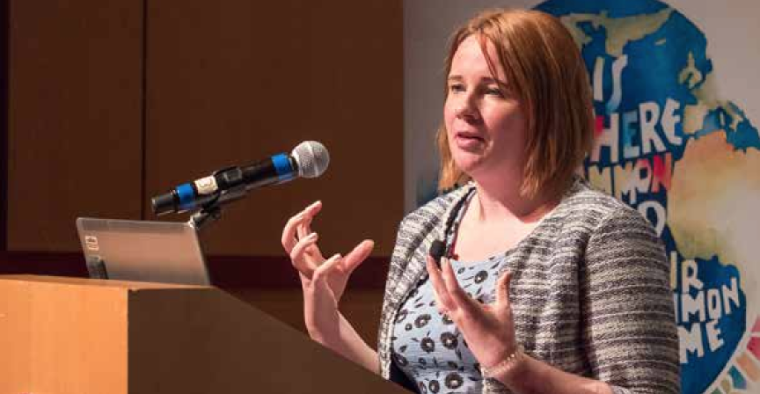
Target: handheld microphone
[[309, 160]]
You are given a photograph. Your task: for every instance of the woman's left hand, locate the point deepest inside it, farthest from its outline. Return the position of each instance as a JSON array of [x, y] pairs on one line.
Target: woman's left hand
[[489, 330]]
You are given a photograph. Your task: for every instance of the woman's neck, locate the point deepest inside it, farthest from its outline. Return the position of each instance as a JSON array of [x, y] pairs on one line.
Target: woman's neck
[[501, 200]]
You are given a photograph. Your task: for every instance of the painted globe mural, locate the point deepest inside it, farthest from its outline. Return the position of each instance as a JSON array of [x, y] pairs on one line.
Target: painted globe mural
[[671, 146]]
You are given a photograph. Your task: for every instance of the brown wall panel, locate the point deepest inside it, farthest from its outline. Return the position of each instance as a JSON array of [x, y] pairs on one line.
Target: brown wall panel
[[232, 81], [74, 127]]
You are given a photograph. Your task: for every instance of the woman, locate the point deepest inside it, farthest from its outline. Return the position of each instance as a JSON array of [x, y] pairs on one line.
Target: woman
[[546, 286]]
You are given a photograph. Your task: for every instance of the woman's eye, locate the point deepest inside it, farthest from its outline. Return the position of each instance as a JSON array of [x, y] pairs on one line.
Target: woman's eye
[[456, 87], [494, 92]]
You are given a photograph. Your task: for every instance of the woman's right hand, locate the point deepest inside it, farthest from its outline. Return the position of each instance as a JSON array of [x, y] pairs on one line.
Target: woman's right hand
[[323, 280]]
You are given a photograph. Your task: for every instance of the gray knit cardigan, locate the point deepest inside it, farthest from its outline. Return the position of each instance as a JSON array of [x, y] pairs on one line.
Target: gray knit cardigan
[[590, 290]]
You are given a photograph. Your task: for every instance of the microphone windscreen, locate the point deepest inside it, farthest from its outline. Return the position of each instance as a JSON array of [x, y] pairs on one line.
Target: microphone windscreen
[[312, 158], [437, 250]]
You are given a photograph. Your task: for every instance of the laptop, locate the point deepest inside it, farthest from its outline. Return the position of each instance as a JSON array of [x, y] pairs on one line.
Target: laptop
[[139, 250]]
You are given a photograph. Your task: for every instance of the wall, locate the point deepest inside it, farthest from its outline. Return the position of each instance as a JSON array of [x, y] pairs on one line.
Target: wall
[[110, 104]]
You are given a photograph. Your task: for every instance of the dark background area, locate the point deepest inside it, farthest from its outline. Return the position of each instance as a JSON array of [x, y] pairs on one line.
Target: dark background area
[[107, 104]]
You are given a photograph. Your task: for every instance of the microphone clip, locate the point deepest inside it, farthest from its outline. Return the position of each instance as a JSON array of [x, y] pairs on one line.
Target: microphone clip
[[211, 211]]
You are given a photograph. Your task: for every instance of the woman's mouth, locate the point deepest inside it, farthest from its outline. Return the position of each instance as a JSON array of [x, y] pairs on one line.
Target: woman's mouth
[[468, 141]]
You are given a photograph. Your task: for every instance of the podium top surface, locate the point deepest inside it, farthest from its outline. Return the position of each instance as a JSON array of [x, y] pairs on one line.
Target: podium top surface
[[63, 280]]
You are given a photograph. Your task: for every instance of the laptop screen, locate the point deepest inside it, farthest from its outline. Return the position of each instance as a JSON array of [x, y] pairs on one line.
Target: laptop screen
[[138, 250]]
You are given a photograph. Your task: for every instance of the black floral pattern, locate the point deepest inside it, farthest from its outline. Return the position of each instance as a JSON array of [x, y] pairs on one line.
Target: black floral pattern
[[400, 360], [428, 345], [434, 386], [422, 320], [449, 340], [454, 380]]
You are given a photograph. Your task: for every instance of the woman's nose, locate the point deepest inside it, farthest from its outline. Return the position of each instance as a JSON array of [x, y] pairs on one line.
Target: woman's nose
[[466, 110]]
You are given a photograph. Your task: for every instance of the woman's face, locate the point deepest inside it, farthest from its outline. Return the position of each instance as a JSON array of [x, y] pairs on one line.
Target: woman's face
[[484, 120]]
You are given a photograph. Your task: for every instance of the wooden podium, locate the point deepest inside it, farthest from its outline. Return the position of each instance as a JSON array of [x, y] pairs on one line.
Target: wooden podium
[[81, 336]]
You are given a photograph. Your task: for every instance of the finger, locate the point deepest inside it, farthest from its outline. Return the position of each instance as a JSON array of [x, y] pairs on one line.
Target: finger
[[357, 256], [460, 298], [289, 231], [502, 288], [297, 255], [442, 297], [321, 273], [304, 226], [288, 239]]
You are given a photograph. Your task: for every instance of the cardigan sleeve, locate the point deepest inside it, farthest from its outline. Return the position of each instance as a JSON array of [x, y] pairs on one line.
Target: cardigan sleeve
[[629, 329]]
